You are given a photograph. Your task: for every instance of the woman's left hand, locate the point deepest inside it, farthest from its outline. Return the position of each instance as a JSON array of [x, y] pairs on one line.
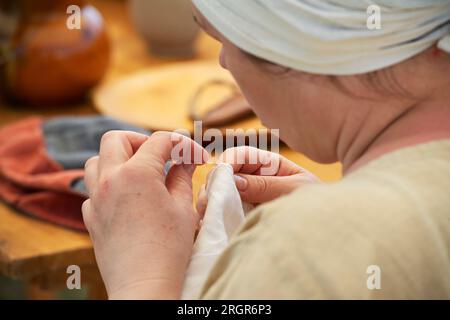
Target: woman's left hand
[[141, 222]]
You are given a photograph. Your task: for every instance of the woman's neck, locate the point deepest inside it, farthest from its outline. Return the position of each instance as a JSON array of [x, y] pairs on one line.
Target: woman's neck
[[420, 124]]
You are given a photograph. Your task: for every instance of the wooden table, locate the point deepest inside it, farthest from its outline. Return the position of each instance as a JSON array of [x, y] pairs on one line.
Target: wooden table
[[38, 252]]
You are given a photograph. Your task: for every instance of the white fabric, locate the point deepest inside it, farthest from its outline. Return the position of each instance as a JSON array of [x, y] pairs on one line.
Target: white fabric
[[224, 214], [331, 36]]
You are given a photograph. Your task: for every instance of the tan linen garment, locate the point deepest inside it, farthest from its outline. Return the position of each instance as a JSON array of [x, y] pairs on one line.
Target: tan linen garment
[[318, 242]]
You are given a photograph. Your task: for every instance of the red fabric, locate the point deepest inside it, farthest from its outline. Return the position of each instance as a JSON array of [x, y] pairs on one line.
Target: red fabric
[[34, 183]]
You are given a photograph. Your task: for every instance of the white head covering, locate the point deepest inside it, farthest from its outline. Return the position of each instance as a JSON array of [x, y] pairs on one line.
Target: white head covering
[[331, 36]]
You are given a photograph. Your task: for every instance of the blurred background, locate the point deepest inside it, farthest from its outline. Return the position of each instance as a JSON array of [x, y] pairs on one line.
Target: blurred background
[[69, 71]]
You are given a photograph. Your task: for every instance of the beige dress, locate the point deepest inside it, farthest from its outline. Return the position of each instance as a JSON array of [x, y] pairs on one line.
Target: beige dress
[[383, 232]]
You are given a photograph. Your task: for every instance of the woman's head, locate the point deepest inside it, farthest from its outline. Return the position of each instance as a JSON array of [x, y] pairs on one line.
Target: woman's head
[[320, 115]]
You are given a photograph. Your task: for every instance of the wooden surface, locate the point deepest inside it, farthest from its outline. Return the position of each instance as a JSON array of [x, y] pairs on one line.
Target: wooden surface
[[32, 249]]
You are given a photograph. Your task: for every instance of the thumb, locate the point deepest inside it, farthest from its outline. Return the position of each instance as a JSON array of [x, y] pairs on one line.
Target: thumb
[[179, 182], [259, 189]]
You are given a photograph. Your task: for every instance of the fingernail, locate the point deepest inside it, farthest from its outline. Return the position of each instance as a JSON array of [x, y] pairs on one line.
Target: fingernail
[[241, 183]]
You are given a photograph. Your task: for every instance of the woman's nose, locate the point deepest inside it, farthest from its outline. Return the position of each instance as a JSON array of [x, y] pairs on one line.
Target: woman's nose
[[222, 58]]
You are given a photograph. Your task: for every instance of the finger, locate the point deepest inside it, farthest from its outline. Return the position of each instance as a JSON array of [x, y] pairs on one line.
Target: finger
[[91, 174], [117, 147], [250, 160], [242, 159], [260, 189], [202, 202], [179, 182], [164, 146], [277, 165], [86, 209], [288, 167]]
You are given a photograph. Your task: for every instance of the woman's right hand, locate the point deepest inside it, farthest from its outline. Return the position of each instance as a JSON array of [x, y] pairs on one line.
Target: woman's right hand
[[261, 176]]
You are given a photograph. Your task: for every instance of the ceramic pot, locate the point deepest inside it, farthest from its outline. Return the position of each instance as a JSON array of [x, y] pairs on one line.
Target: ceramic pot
[[44, 61], [166, 25]]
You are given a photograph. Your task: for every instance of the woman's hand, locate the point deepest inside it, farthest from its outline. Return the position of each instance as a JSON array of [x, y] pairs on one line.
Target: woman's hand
[[141, 222], [261, 176]]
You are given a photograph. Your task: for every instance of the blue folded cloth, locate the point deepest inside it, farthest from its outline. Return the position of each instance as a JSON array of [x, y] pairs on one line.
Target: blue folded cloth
[[71, 141]]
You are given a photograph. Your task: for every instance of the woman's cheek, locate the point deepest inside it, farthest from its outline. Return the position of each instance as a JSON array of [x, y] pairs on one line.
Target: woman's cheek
[[251, 80]]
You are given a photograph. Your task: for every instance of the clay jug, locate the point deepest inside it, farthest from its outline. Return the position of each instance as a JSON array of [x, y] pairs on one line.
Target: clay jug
[[46, 58]]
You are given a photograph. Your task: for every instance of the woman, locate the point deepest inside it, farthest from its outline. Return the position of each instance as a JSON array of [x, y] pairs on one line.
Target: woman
[[376, 100]]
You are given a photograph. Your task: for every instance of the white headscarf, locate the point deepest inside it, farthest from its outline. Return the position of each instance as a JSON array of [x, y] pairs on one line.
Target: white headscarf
[[331, 36]]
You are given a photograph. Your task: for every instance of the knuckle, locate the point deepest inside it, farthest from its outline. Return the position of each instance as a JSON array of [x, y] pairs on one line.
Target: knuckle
[[162, 134], [104, 186], [109, 135], [91, 161], [162, 138], [261, 185], [85, 207], [86, 213]]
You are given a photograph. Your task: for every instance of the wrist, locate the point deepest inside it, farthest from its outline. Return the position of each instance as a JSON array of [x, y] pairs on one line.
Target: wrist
[[149, 289]]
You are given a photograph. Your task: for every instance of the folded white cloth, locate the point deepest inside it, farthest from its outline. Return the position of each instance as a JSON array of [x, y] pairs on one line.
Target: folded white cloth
[[224, 213], [331, 36]]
